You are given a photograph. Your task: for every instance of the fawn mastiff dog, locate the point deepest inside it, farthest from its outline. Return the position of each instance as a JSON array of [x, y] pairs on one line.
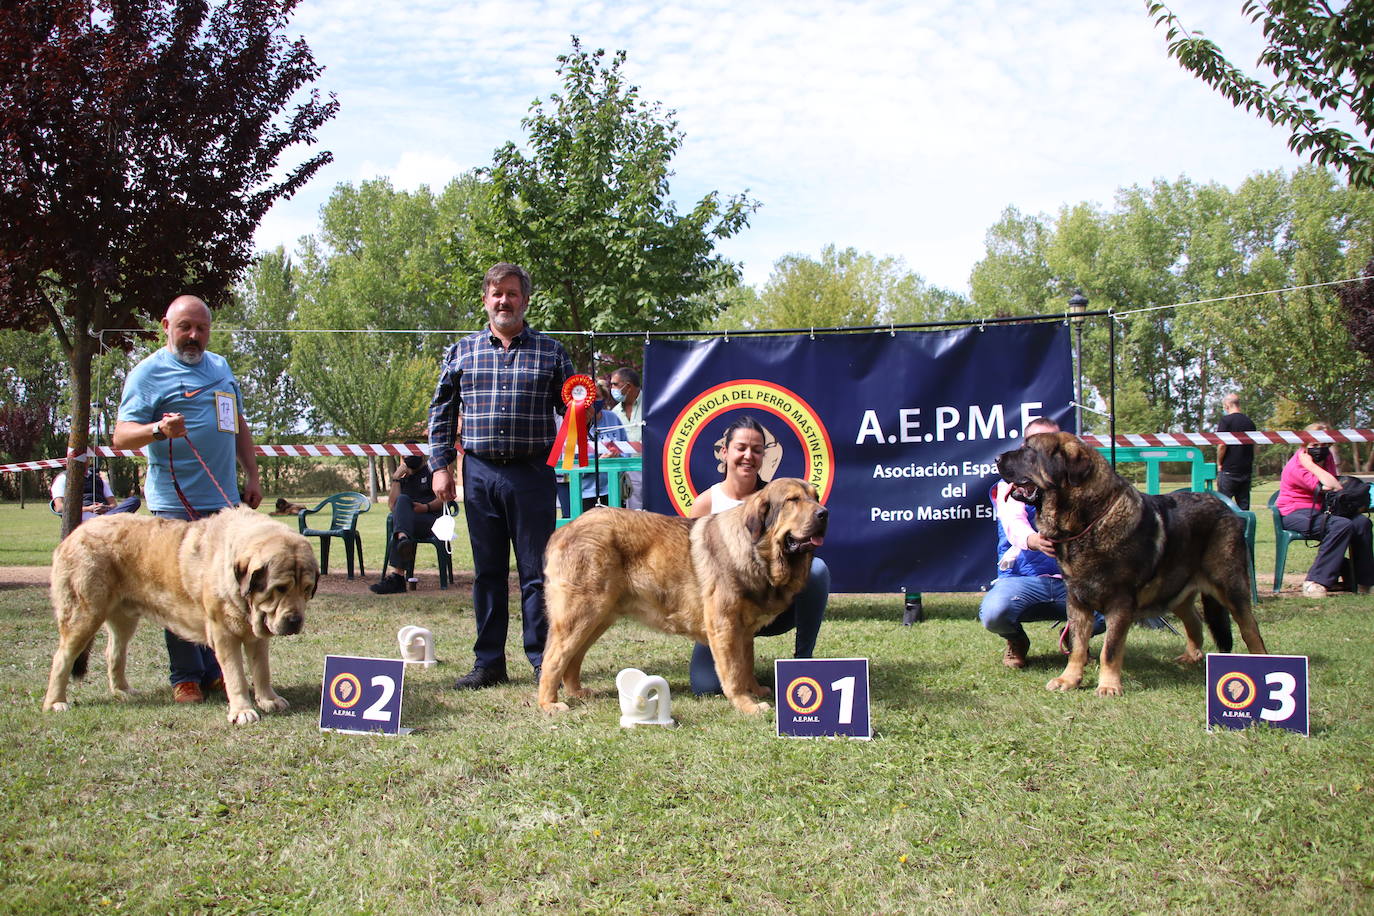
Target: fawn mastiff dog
[[716, 580], [230, 581], [1130, 555]]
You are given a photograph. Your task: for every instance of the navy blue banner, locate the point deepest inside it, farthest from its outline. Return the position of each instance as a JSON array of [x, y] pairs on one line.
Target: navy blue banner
[[898, 431]]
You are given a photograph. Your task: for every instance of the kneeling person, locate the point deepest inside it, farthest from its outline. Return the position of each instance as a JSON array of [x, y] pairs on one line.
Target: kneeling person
[[1029, 585]]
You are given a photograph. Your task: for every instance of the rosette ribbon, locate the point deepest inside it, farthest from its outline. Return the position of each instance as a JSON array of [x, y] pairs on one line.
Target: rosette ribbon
[[571, 442]]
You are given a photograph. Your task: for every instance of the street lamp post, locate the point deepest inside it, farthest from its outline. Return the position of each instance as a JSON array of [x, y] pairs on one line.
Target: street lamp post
[[1078, 304]]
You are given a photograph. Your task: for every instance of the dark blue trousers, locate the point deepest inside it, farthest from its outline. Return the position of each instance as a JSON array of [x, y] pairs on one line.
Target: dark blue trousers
[[189, 661], [407, 520], [508, 506], [1337, 535]]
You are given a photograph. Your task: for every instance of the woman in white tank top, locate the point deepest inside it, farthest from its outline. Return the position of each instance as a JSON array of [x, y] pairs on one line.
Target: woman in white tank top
[[744, 450]]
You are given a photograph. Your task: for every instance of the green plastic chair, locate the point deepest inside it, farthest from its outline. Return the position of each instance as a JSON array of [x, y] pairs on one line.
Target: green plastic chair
[[1282, 537], [1251, 523], [343, 523]]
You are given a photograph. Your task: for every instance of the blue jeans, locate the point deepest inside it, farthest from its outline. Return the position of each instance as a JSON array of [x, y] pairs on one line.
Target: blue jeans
[[804, 615], [1014, 600], [189, 661], [508, 505], [1336, 535]]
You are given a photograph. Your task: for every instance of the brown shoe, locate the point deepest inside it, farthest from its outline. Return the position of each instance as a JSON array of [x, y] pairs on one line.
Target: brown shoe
[[188, 692], [1017, 647], [215, 686]]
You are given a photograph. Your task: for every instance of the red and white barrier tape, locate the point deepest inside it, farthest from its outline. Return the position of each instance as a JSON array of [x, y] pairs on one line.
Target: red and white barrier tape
[[1257, 437], [266, 451], [1128, 440]]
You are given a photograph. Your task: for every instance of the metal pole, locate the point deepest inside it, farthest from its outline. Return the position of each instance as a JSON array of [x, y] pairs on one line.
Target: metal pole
[[1078, 304], [1111, 383]]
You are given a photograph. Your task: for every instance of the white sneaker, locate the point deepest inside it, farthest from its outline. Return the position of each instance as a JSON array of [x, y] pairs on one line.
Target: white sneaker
[[1313, 590]]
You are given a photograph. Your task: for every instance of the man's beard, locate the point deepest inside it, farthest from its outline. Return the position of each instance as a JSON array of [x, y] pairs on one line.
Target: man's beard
[[187, 356]]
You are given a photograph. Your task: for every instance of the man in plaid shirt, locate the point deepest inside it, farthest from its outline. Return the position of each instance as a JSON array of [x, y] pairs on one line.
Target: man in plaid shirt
[[500, 389]]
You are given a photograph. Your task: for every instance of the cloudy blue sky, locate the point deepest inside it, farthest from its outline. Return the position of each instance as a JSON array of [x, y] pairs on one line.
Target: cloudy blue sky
[[899, 128]]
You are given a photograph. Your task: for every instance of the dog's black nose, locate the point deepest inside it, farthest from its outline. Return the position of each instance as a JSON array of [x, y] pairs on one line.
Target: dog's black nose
[[292, 624]]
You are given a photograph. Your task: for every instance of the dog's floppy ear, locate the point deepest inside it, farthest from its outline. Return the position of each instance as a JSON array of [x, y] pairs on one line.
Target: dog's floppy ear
[[1079, 462], [757, 512], [249, 580]]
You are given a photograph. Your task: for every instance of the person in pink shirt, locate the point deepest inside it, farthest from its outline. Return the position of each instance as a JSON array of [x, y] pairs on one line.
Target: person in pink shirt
[[1311, 470]]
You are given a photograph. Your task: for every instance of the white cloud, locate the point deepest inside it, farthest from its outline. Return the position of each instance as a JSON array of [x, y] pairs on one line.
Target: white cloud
[[898, 128]]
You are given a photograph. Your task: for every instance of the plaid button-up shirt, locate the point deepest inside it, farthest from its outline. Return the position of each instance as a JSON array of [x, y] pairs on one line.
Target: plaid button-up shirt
[[506, 398]]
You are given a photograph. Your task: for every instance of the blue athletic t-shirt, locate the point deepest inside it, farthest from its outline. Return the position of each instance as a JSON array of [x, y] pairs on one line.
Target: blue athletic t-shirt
[[208, 396]]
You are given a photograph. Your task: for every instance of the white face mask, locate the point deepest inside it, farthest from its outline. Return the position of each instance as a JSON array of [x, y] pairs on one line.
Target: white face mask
[[445, 525], [617, 395]]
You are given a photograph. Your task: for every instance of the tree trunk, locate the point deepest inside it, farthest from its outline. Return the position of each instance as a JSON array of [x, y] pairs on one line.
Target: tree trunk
[[372, 479], [83, 352]]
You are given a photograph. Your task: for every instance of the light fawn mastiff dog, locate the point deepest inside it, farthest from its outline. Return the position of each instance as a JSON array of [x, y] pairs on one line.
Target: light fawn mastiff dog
[[1129, 555], [230, 581], [716, 579]]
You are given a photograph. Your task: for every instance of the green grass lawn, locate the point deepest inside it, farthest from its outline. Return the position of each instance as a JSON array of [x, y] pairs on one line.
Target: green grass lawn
[[981, 792]]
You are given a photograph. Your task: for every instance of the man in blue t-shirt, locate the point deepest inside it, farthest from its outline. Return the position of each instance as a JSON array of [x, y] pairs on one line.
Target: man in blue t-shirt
[[182, 406]]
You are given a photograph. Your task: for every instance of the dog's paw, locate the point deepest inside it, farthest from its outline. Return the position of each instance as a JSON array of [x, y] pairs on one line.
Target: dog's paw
[[749, 707], [124, 694], [243, 716], [57, 707], [582, 693], [273, 702], [1190, 658], [552, 708], [1109, 690], [1062, 683], [759, 690]]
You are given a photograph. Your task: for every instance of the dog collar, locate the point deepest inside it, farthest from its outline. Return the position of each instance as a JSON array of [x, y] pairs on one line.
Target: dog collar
[[1057, 542]]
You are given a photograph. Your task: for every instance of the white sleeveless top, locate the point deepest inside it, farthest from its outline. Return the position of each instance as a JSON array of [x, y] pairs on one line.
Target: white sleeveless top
[[719, 501]]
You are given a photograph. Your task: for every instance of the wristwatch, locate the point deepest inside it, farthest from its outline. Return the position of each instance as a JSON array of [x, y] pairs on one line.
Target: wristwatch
[[158, 434]]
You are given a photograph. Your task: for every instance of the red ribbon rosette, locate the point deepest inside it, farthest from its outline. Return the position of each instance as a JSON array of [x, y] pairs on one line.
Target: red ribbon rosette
[[571, 441]]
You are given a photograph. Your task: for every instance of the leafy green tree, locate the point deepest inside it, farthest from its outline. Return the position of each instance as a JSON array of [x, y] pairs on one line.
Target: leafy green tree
[[369, 282], [587, 211], [842, 288], [254, 332], [1319, 55], [138, 145], [1358, 301], [380, 253], [1178, 242]]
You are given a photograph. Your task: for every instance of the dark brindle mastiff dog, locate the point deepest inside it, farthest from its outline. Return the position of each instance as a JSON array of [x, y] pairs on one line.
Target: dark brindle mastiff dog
[[716, 579], [1130, 555]]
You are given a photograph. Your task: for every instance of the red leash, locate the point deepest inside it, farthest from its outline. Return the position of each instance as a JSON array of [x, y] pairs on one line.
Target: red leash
[[176, 486], [1085, 530]]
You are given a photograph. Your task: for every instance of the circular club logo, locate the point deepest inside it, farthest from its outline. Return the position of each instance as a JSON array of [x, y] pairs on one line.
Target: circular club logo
[[1236, 690], [804, 695], [798, 418], [345, 690]]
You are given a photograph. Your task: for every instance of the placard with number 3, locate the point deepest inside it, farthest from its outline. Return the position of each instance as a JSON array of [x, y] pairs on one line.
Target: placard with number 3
[[1244, 690]]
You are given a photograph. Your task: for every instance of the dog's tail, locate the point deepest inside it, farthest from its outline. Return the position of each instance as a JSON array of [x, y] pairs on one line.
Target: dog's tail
[[83, 659], [1218, 622]]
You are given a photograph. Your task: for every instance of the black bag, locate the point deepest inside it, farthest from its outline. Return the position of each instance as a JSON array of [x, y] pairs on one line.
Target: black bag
[[1350, 500]]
